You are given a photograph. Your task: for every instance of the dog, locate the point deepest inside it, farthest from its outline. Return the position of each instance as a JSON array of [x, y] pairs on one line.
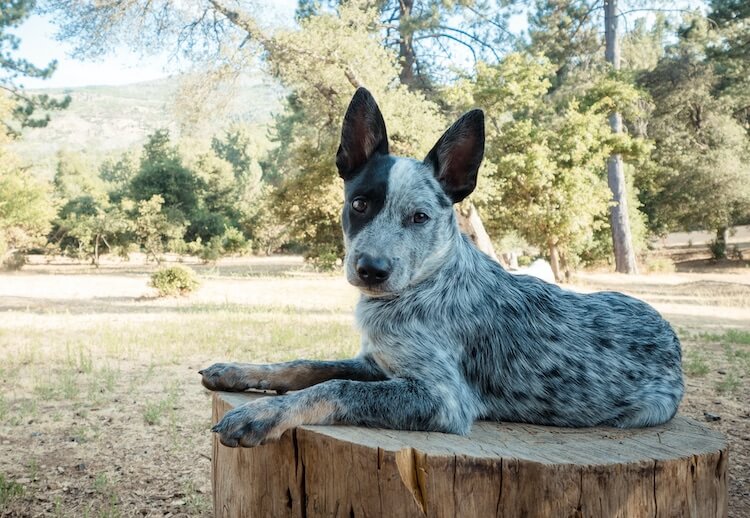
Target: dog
[[448, 336]]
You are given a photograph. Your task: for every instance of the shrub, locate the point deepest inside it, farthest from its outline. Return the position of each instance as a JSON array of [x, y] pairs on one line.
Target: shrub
[[14, 261], [175, 280], [659, 264], [212, 250], [233, 242]]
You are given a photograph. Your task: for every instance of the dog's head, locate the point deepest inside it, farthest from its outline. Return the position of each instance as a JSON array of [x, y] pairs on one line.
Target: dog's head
[[398, 215]]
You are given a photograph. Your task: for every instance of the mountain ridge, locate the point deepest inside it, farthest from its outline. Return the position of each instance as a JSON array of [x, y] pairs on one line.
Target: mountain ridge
[[103, 119]]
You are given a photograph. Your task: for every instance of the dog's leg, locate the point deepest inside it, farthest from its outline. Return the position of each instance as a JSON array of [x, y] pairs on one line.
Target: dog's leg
[[396, 403], [282, 377]]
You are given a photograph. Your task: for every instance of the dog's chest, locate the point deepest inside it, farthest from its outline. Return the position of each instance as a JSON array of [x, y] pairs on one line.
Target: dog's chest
[[404, 338]]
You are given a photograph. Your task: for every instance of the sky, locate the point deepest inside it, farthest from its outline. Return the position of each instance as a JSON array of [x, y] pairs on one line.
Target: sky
[[38, 45]]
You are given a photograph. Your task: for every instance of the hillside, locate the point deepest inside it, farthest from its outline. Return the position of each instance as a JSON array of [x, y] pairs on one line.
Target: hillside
[[102, 119]]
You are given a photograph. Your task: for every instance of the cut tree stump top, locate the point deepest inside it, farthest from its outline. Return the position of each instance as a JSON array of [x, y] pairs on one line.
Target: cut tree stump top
[[680, 437], [500, 469]]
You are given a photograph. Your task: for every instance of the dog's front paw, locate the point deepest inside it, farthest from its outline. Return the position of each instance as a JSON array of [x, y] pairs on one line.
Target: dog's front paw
[[254, 423], [225, 376], [236, 377]]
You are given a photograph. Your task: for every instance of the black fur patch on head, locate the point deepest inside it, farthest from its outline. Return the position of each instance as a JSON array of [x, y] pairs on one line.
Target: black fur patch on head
[[371, 183]]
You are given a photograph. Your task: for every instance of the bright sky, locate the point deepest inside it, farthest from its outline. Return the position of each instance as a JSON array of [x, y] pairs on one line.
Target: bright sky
[[39, 46]]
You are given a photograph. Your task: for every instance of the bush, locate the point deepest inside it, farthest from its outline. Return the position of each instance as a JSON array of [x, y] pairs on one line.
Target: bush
[[233, 242], [659, 264], [14, 261], [212, 250], [175, 280]]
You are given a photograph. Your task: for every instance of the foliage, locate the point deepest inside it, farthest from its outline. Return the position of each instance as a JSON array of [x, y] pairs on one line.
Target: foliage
[[175, 280], [26, 208], [683, 94], [729, 50], [14, 261], [309, 196], [545, 154], [565, 32], [163, 174], [698, 176], [153, 228], [26, 106]]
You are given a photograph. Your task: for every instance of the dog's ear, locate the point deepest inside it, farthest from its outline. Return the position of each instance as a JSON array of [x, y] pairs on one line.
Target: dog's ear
[[457, 155], [362, 135]]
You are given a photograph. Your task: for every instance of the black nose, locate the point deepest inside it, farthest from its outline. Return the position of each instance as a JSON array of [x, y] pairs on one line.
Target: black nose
[[373, 270]]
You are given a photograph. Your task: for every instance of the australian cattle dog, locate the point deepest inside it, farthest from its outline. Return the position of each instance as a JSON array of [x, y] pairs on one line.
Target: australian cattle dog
[[448, 336]]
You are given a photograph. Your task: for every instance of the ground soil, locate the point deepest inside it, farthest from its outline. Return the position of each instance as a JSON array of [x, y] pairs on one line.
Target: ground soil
[[106, 429]]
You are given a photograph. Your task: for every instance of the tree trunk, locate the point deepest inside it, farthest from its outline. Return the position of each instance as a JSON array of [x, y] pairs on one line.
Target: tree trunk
[[554, 261], [471, 224], [501, 469], [719, 247], [406, 55], [618, 214]]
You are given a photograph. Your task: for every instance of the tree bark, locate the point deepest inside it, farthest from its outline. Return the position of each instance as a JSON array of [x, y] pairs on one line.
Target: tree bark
[[719, 247], [622, 240], [554, 261], [471, 224], [407, 59], [501, 469]]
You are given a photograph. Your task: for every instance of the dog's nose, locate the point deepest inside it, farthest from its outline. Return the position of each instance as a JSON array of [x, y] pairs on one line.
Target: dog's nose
[[373, 270]]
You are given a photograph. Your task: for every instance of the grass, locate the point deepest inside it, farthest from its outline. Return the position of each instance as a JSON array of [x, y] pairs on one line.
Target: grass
[[155, 411], [9, 490], [114, 386], [695, 363], [729, 384], [730, 336], [4, 407]]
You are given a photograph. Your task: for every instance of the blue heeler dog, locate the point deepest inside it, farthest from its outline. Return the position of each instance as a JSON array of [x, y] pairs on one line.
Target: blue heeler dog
[[448, 336]]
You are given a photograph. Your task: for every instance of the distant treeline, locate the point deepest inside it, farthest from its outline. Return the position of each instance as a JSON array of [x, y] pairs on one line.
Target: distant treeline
[[682, 91]]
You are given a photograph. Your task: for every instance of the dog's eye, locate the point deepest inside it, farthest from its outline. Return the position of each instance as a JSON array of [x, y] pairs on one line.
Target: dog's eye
[[359, 204], [420, 217]]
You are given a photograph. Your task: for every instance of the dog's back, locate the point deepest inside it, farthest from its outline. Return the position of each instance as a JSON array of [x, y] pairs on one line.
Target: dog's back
[[528, 350]]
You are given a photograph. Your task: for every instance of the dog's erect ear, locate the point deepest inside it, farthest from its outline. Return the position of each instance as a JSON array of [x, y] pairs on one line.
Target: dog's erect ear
[[362, 135], [457, 155]]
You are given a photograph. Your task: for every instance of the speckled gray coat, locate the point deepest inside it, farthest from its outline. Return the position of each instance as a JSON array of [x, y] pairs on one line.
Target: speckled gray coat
[[448, 336]]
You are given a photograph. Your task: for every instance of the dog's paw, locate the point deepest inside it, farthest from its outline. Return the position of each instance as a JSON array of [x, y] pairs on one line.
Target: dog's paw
[[225, 376], [238, 377], [254, 423]]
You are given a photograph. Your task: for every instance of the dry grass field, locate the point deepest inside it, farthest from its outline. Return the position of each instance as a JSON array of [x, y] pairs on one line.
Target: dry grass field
[[102, 412]]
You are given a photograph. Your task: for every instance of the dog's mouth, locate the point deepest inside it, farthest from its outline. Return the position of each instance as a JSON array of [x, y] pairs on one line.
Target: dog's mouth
[[377, 291]]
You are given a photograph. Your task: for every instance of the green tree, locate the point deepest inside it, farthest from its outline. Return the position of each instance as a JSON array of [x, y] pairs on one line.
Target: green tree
[[118, 173], [76, 175], [253, 185], [154, 228], [162, 173], [310, 194], [25, 112], [91, 229], [544, 155], [729, 51], [26, 205], [699, 177]]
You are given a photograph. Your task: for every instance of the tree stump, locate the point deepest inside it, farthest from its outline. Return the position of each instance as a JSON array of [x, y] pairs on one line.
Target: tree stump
[[501, 469]]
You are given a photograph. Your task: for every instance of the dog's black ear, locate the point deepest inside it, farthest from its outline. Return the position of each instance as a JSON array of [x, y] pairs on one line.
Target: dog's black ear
[[457, 155], [362, 135]]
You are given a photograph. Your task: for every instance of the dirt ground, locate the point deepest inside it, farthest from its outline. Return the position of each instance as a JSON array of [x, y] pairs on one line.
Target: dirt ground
[[102, 412]]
